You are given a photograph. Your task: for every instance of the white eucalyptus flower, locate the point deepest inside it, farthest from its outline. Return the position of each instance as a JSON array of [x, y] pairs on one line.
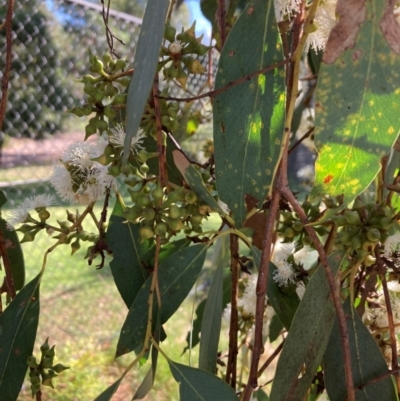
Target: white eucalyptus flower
[[175, 47], [20, 213], [248, 300], [392, 244], [284, 274], [286, 8], [324, 21], [79, 179], [118, 138]]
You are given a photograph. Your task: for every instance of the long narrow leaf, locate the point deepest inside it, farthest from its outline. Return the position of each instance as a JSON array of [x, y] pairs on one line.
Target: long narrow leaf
[[248, 118], [308, 337], [367, 363], [145, 64], [199, 385], [18, 326]]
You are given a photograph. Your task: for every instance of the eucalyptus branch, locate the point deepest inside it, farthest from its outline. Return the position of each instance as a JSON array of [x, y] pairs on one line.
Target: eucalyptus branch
[[231, 370], [7, 266], [6, 74], [270, 359], [216, 92], [392, 331], [261, 289]]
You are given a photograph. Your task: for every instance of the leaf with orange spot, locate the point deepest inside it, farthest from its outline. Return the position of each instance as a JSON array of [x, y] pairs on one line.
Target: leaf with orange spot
[[357, 108]]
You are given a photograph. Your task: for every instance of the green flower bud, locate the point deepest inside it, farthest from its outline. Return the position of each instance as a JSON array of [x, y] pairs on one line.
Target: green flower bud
[[31, 362], [196, 219], [144, 200], [146, 233], [297, 226], [174, 212], [45, 346], [307, 240], [120, 64], [75, 246], [50, 352], [35, 380], [161, 229], [201, 50], [175, 224], [144, 168], [109, 112], [149, 214], [373, 234], [47, 362], [107, 58], [89, 89], [83, 235], [98, 96], [114, 170], [289, 233], [59, 368], [356, 243], [190, 197], [120, 98], [169, 33], [352, 217], [369, 260], [157, 193], [339, 220], [90, 129], [97, 66]]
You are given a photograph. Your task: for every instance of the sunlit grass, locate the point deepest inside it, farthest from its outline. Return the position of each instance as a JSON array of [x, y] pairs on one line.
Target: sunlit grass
[[82, 313]]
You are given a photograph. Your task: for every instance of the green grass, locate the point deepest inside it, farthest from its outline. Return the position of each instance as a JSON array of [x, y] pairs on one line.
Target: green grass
[[82, 313]]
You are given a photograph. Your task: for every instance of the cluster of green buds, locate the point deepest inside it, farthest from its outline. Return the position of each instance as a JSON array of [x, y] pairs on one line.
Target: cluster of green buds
[[106, 92], [45, 371], [165, 214], [178, 60], [292, 229], [31, 226], [168, 112], [363, 227]]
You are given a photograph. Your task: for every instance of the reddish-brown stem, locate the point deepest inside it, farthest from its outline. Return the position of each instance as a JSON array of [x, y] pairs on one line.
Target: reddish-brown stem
[[160, 147], [7, 68], [261, 290], [221, 14], [270, 358], [7, 266], [392, 331], [305, 136], [216, 92], [288, 195], [38, 395], [231, 370]]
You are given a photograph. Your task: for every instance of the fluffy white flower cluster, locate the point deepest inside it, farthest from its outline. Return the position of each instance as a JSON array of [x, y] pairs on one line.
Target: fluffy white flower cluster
[[247, 305], [392, 244], [118, 139], [324, 21], [285, 273], [21, 213], [79, 179]]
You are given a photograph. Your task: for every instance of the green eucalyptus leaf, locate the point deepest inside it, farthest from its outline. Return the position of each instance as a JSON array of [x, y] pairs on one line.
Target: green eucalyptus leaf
[[127, 264], [211, 323], [357, 110], [15, 255], [199, 385], [308, 337], [107, 394], [249, 117], [145, 65], [367, 362], [18, 326], [285, 304], [176, 276]]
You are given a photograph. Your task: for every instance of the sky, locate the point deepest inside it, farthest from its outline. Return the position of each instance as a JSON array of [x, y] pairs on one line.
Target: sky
[[202, 24]]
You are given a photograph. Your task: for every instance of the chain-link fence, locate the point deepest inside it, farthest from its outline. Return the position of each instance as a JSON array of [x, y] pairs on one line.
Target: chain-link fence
[[50, 51]]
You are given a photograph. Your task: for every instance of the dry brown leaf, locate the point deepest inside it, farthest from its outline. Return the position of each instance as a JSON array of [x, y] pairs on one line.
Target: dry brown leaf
[[351, 14], [390, 27]]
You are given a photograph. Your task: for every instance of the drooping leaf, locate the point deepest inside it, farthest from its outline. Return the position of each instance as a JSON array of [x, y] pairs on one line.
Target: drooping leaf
[[18, 326], [176, 276], [357, 110], [127, 268], [211, 323], [367, 362], [308, 337], [284, 304], [275, 328], [107, 394], [248, 118], [199, 385], [195, 182], [3, 198], [145, 64], [15, 255]]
